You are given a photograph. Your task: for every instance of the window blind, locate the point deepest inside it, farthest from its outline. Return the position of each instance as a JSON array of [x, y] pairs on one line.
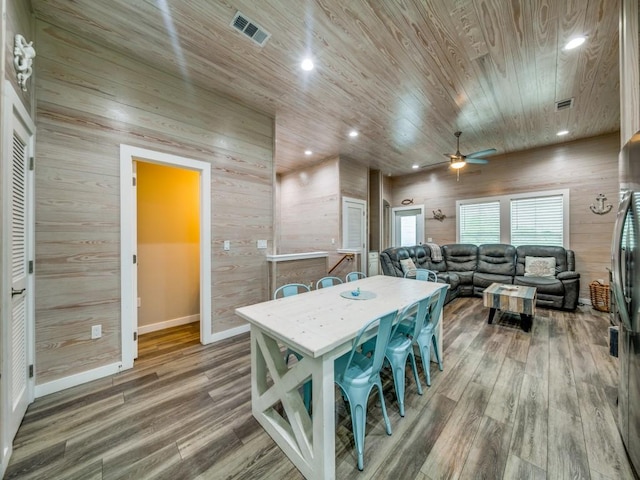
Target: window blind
[[480, 223], [537, 221]]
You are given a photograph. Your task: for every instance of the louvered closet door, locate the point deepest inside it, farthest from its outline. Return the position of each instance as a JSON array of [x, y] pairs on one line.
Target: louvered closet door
[[18, 370]]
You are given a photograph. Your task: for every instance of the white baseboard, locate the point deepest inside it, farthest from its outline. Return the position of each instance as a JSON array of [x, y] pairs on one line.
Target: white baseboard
[[584, 301], [101, 372], [174, 322], [77, 379], [232, 332]]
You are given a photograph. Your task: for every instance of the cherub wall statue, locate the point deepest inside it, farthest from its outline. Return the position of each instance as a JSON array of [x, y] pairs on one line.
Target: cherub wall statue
[[23, 54]]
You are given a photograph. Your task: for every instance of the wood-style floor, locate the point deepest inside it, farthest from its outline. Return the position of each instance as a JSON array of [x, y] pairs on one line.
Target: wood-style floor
[[508, 404]]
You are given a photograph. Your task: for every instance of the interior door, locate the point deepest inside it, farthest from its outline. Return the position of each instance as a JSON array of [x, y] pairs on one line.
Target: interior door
[[354, 228], [17, 330], [134, 242]]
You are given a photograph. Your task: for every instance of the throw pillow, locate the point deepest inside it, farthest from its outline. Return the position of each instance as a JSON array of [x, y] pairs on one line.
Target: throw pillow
[[540, 267], [407, 264]]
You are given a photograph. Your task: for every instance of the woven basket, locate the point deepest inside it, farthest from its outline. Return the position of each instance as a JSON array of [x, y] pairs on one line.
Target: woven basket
[[599, 296]]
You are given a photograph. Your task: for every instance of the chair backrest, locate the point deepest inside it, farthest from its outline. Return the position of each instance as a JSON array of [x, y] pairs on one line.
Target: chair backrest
[[434, 308], [417, 312], [422, 274], [353, 276], [384, 325], [290, 289], [325, 282]]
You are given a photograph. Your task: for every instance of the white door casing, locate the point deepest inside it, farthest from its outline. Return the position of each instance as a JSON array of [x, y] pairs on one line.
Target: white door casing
[[354, 228], [17, 325], [129, 308], [413, 216]]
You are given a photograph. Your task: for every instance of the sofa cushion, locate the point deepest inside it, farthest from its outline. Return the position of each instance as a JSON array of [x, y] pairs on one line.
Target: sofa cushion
[[460, 257], [540, 267], [483, 280], [545, 285], [497, 258]]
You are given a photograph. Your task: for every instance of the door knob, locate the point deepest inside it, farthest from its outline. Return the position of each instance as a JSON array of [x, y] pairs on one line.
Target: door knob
[[15, 292]]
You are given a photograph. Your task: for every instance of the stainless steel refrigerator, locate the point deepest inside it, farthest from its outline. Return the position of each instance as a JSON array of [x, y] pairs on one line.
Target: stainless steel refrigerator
[[625, 285]]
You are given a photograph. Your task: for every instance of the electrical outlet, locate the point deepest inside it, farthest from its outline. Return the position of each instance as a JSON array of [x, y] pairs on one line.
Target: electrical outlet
[[227, 245], [96, 331], [262, 244], [429, 239]]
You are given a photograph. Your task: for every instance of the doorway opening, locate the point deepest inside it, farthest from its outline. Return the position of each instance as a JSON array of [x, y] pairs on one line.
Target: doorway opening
[[168, 287], [407, 225], [168, 250]]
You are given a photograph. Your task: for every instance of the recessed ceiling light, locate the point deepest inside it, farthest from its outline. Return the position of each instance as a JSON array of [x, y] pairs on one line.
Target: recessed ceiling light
[[307, 64], [561, 133], [353, 133], [415, 167], [575, 43], [308, 152]]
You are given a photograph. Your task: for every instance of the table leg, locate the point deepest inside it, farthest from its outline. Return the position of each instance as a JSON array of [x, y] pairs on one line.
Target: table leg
[[309, 443], [526, 321], [492, 312]]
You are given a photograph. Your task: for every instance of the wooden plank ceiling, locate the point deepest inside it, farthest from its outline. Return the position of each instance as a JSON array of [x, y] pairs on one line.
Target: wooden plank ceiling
[[405, 74]]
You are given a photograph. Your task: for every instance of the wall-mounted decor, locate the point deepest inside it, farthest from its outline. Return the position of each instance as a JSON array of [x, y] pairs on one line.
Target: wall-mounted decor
[[438, 215], [407, 201], [23, 54], [600, 208]]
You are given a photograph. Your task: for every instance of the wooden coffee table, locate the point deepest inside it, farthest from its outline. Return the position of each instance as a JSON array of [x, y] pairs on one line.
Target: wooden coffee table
[[511, 298]]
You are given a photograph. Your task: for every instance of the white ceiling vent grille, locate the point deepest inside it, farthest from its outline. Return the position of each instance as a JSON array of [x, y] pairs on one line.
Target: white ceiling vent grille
[[250, 28], [564, 104]]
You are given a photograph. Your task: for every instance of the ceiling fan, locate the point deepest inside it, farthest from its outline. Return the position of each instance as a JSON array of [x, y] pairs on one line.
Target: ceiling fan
[[458, 160]]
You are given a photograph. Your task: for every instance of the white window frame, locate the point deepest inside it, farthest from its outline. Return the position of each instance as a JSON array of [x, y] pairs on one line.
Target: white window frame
[[505, 211]]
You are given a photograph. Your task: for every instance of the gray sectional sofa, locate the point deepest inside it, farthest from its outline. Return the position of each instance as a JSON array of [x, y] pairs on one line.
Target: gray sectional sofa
[[469, 269]]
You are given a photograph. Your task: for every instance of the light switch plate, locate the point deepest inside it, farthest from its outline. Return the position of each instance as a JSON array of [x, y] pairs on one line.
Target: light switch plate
[[262, 244], [227, 245], [96, 331]]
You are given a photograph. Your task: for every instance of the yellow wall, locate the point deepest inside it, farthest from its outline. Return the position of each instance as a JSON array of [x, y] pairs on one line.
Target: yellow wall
[[168, 243]]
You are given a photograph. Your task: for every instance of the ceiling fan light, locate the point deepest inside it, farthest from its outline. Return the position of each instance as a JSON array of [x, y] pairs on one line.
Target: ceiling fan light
[[457, 163]]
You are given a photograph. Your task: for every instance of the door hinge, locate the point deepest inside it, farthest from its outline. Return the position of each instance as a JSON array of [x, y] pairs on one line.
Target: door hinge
[[30, 371], [135, 259], [135, 336], [30, 266], [134, 181], [32, 162]]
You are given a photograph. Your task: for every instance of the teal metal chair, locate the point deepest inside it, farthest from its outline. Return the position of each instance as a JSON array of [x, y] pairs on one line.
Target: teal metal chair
[[400, 347], [353, 276], [427, 335], [325, 282], [356, 375], [290, 289], [287, 291], [422, 274]]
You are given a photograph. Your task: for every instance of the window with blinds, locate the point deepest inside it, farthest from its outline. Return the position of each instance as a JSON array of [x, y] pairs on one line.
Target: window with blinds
[[533, 218], [479, 222], [537, 221]]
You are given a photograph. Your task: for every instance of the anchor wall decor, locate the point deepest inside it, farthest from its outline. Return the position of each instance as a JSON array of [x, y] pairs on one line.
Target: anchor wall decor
[[600, 208]]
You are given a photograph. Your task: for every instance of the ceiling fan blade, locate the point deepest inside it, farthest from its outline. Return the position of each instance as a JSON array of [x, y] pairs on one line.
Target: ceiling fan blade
[[477, 160], [482, 153], [429, 165]]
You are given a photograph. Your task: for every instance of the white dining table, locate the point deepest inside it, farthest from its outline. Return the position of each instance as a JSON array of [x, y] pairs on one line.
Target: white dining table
[[320, 326]]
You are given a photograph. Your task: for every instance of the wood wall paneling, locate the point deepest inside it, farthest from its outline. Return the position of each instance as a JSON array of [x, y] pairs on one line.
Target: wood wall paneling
[[586, 167], [90, 100]]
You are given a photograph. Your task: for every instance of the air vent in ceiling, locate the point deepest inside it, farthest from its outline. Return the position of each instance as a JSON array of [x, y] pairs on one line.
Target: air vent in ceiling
[[564, 104], [250, 28]]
